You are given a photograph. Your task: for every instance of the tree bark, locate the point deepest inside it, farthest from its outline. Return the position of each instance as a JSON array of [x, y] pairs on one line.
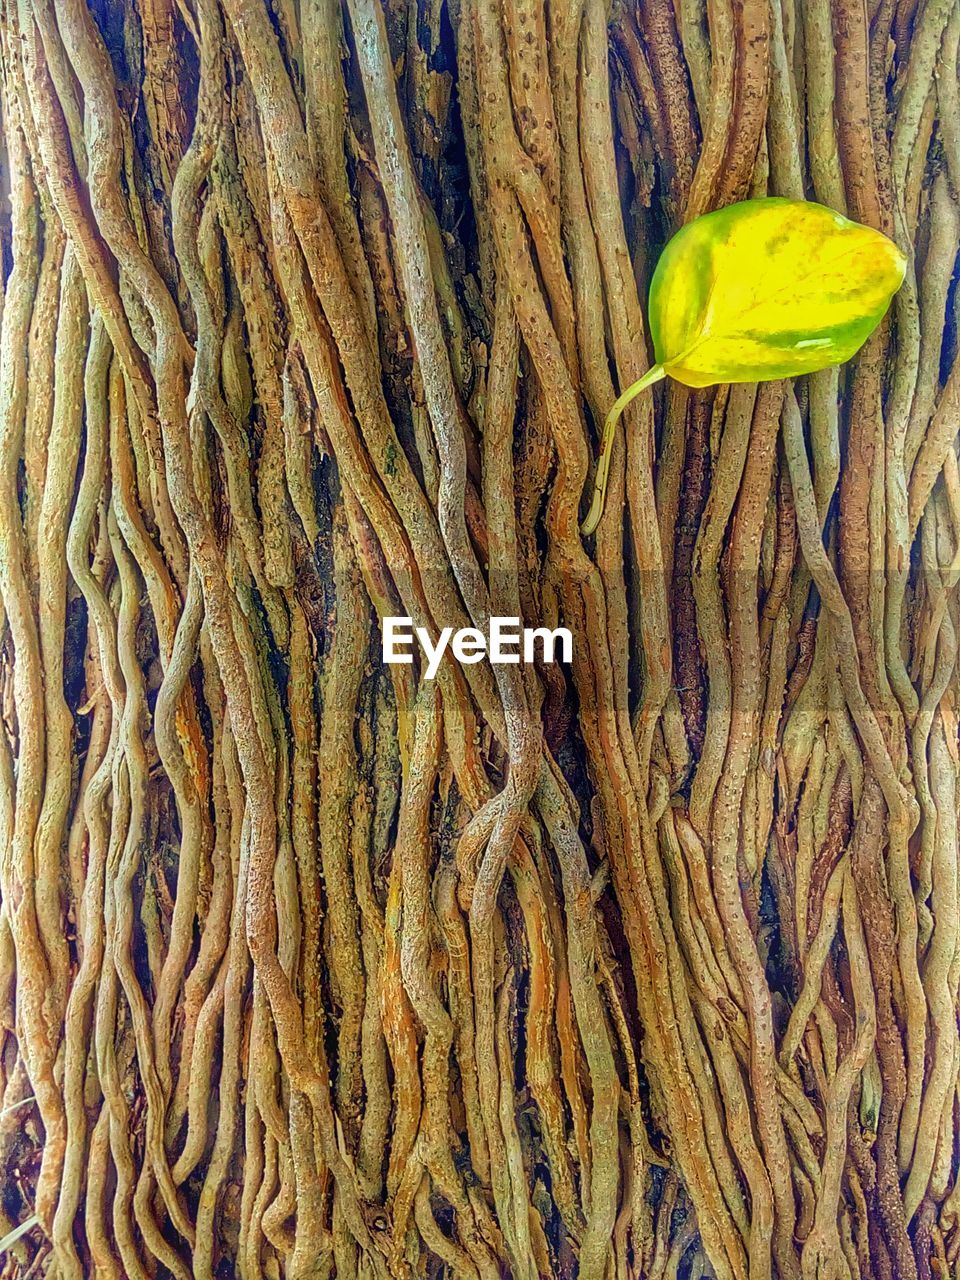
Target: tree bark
[[641, 964]]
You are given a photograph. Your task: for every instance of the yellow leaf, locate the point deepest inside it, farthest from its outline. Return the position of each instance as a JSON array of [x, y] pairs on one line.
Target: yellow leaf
[[768, 289], [763, 289]]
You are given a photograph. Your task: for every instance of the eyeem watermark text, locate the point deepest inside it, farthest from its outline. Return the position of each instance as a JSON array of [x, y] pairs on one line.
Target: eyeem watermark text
[[507, 642]]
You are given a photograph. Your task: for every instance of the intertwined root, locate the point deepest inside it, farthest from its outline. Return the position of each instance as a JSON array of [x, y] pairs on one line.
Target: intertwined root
[[644, 966]]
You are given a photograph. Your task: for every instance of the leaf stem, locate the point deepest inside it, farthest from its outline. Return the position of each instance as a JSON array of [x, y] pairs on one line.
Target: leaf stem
[[592, 518], [15, 1106], [11, 1238]]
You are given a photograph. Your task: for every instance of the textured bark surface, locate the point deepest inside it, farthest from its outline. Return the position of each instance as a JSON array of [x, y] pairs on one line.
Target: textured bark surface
[[645, 965]]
